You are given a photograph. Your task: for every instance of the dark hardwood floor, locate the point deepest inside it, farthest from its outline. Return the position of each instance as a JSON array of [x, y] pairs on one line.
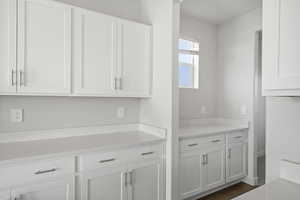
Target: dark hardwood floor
[[230, 193]]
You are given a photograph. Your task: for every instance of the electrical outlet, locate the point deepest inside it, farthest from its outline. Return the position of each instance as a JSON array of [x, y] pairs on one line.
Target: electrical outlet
[[203, 110], [16, 115], [121, 112]]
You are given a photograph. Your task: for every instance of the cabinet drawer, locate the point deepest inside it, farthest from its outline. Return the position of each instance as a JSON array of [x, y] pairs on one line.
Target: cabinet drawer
[[237, 137], [199, 143], [147, 152], [22, 173], [100, 159]]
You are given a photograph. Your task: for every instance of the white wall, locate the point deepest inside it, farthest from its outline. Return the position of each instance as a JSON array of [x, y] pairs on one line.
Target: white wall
[[60, 112], [129, 9], [283, 128], [236, 67], [191, 100], [64, 112], [161, 109]]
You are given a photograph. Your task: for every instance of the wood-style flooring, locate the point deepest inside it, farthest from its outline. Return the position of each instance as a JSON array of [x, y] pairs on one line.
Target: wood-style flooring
[[230, 192]]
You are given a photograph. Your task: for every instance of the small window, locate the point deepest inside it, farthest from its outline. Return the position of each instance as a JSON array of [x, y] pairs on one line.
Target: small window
[[188, 64]]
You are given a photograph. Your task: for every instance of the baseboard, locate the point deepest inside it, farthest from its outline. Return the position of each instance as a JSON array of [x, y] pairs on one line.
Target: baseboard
[[253, 181]]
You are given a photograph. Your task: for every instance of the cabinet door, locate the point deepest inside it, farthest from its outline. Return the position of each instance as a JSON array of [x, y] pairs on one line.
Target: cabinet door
[[5, 195], [236, 162], [8, 39], [60, 189], [134, 67], [106, 184], [190, 174], [44, 47], [214, 168], [95, 53], [146, 182], [281, 44]]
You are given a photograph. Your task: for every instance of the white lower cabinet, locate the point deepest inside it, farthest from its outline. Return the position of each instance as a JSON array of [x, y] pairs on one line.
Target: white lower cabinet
[[60, 189], [190, 174], [214, 168], [236, 161], [204, 165], [127, 174], [140, 181], [5, 195], [108, 183], [146, 182]]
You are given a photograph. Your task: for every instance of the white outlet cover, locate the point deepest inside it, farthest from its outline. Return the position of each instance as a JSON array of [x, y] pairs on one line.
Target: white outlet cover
[[121, 112], [16, 115]]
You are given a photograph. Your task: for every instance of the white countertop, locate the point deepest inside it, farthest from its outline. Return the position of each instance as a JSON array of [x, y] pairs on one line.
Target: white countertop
[[206, 130], [277, 190], [29, 149]]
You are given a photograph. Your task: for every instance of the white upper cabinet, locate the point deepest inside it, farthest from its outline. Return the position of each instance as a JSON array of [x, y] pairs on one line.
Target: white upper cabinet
[[8, 62], [44, 47], [50, 48], [95, 53], [134, 56], [281, 44]]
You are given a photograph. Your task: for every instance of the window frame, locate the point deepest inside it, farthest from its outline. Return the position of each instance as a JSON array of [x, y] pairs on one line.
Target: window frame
[[195, 69]]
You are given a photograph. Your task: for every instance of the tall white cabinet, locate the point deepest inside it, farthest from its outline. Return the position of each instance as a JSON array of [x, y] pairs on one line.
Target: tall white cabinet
[[51, 48], [281, 72]]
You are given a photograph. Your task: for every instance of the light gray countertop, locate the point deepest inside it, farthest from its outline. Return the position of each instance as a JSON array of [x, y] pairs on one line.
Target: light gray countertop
[[207, 130], [277, 190], [73, 145]]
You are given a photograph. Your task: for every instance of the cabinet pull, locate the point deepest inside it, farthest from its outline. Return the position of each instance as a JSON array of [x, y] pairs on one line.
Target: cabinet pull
[[126, 177], [203, 159], [238, 137], [115, 84], [192, 145], [13, 75], [206, 159], [22, 79], [45, 171], [147, 153], [106, 161], [121, 84], [229, 153], [131, 178], [216, 141]]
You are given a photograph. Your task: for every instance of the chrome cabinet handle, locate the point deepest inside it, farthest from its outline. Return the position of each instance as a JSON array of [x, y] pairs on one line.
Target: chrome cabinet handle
[[106, 161], [13, 75], [115, 84], [121, 84], [238, 137], [131, 178], [192, 145], [126, 177], [203, 160], [215, 141], [148, 153], [45, 171], [206, 159], [229, 153], [22, 79]]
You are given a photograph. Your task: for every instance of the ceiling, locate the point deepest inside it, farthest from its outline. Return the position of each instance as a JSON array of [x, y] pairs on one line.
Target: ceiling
[[218, 11]]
